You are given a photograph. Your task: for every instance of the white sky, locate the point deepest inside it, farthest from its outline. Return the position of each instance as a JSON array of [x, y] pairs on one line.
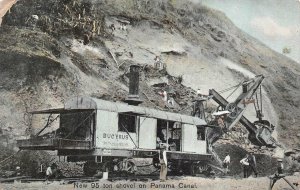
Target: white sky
[[276, 23], [4, 6]]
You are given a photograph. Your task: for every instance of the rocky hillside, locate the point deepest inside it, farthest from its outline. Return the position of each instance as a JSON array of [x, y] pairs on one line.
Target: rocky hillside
[[53, 50]]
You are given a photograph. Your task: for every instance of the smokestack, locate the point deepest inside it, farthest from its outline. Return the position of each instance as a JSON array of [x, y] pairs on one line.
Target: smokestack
[[133, 96]]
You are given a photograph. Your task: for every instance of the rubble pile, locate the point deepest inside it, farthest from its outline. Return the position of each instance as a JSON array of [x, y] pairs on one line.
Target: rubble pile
[[70, 169], [238, 135], [159, 81]]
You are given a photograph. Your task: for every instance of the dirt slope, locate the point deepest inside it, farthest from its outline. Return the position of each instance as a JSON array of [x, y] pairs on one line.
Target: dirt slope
[[44, 61]]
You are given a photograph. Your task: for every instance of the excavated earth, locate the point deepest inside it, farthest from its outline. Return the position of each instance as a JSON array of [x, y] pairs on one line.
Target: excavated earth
[[72, 49]]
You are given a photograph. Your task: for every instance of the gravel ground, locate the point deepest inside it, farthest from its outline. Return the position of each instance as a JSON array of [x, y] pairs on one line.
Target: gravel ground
[[176, 183]]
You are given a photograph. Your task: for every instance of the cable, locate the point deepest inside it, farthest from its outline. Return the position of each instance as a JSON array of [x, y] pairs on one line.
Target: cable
[[255, 108], [261, 108], [234, 91], [227, 89], [129, 135], [47, 125], [257, 104], [79, 124]]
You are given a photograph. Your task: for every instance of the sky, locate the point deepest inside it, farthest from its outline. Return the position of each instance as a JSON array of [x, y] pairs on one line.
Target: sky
[[276, 23], [4, 6]]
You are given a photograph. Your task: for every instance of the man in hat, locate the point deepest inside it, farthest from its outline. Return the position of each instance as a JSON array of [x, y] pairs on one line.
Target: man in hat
[[277, 176], [220, 117], [158, 64], [245, 164], [163, 162], [280, 166], [221, 122], [199, 93], [202, 95], [252, 163]]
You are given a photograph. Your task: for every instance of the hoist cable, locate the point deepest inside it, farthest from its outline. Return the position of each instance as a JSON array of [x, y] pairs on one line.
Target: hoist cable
[[260, 99], [227, 89], [255, 107], [233, 91], [257, 104]]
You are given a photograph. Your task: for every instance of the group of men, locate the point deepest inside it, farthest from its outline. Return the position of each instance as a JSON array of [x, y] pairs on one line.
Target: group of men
[[248, 164]]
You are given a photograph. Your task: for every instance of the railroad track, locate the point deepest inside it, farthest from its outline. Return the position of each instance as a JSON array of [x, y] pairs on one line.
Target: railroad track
[[134, 178], [65, 180], [25, 179], [112, 178]]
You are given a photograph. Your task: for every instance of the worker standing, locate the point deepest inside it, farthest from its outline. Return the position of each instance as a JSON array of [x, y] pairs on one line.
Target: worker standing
[[48, 172], [17, 171], [199, 94], [252, 163], [226, 162], [245, 164], [163, 162], [165, 96], [280, 166], [220, 117], [279, 175], [202, 96], [157, 63]]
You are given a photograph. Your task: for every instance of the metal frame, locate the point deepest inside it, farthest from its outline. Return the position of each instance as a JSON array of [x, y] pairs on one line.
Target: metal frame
[[81, 148], [86, 103]]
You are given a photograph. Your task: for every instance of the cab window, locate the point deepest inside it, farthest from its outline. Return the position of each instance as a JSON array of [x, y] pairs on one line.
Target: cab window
[[127, 123]]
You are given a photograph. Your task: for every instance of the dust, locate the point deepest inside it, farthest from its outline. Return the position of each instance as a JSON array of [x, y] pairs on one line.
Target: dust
[[248, 74]]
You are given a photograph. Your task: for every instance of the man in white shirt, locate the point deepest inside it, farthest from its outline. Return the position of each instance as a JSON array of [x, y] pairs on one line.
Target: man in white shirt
[[245, 164], [226, 162], [48, 172]]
